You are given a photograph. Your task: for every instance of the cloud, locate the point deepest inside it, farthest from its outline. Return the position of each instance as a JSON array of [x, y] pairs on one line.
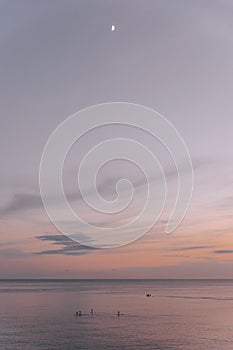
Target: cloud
[[69, 247], [12, 253], [195, 247], [224, 251], [226, 203], [28, 201], [22, 202], [169, 172]]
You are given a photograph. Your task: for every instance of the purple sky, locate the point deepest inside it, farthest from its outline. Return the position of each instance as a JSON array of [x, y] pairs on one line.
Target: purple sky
[[58, 57]]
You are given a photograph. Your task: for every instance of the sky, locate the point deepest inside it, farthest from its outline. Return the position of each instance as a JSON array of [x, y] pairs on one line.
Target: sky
[[58, 57]]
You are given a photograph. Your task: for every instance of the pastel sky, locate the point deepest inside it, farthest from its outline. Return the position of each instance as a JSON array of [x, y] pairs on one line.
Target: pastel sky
[[58, 57]]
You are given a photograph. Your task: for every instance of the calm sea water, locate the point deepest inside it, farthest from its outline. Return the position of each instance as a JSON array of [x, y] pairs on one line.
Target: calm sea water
[[187, 315]]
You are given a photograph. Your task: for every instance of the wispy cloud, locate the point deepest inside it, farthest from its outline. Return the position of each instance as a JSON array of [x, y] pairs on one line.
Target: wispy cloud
[[195, 247], [29, 201], [224, 251], [227, 202], [69, 247], [12, 253], [21, 202]]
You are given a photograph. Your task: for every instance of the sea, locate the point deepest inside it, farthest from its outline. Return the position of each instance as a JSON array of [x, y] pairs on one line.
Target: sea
[[179, 314]]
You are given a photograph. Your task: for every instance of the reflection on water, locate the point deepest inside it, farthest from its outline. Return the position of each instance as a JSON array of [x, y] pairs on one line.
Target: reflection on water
[[187, 315]]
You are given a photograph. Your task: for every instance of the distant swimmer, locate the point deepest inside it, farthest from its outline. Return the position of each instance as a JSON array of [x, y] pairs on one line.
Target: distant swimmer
[[76, 314], [92, 311], [80, 313], [148, 295], [118, 313]]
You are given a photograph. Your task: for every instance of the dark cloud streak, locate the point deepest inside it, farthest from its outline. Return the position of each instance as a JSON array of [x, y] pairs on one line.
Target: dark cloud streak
[[191, 248], [69, 247], [224, 251]]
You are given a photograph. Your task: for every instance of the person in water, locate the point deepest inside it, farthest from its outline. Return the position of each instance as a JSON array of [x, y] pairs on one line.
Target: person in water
[[118, 313], [92, 311]]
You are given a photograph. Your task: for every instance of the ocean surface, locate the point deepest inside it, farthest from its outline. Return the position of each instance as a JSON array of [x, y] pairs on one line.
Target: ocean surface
[[187, 315]]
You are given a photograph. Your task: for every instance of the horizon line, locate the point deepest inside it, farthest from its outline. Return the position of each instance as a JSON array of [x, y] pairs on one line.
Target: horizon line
[[116, 279]]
